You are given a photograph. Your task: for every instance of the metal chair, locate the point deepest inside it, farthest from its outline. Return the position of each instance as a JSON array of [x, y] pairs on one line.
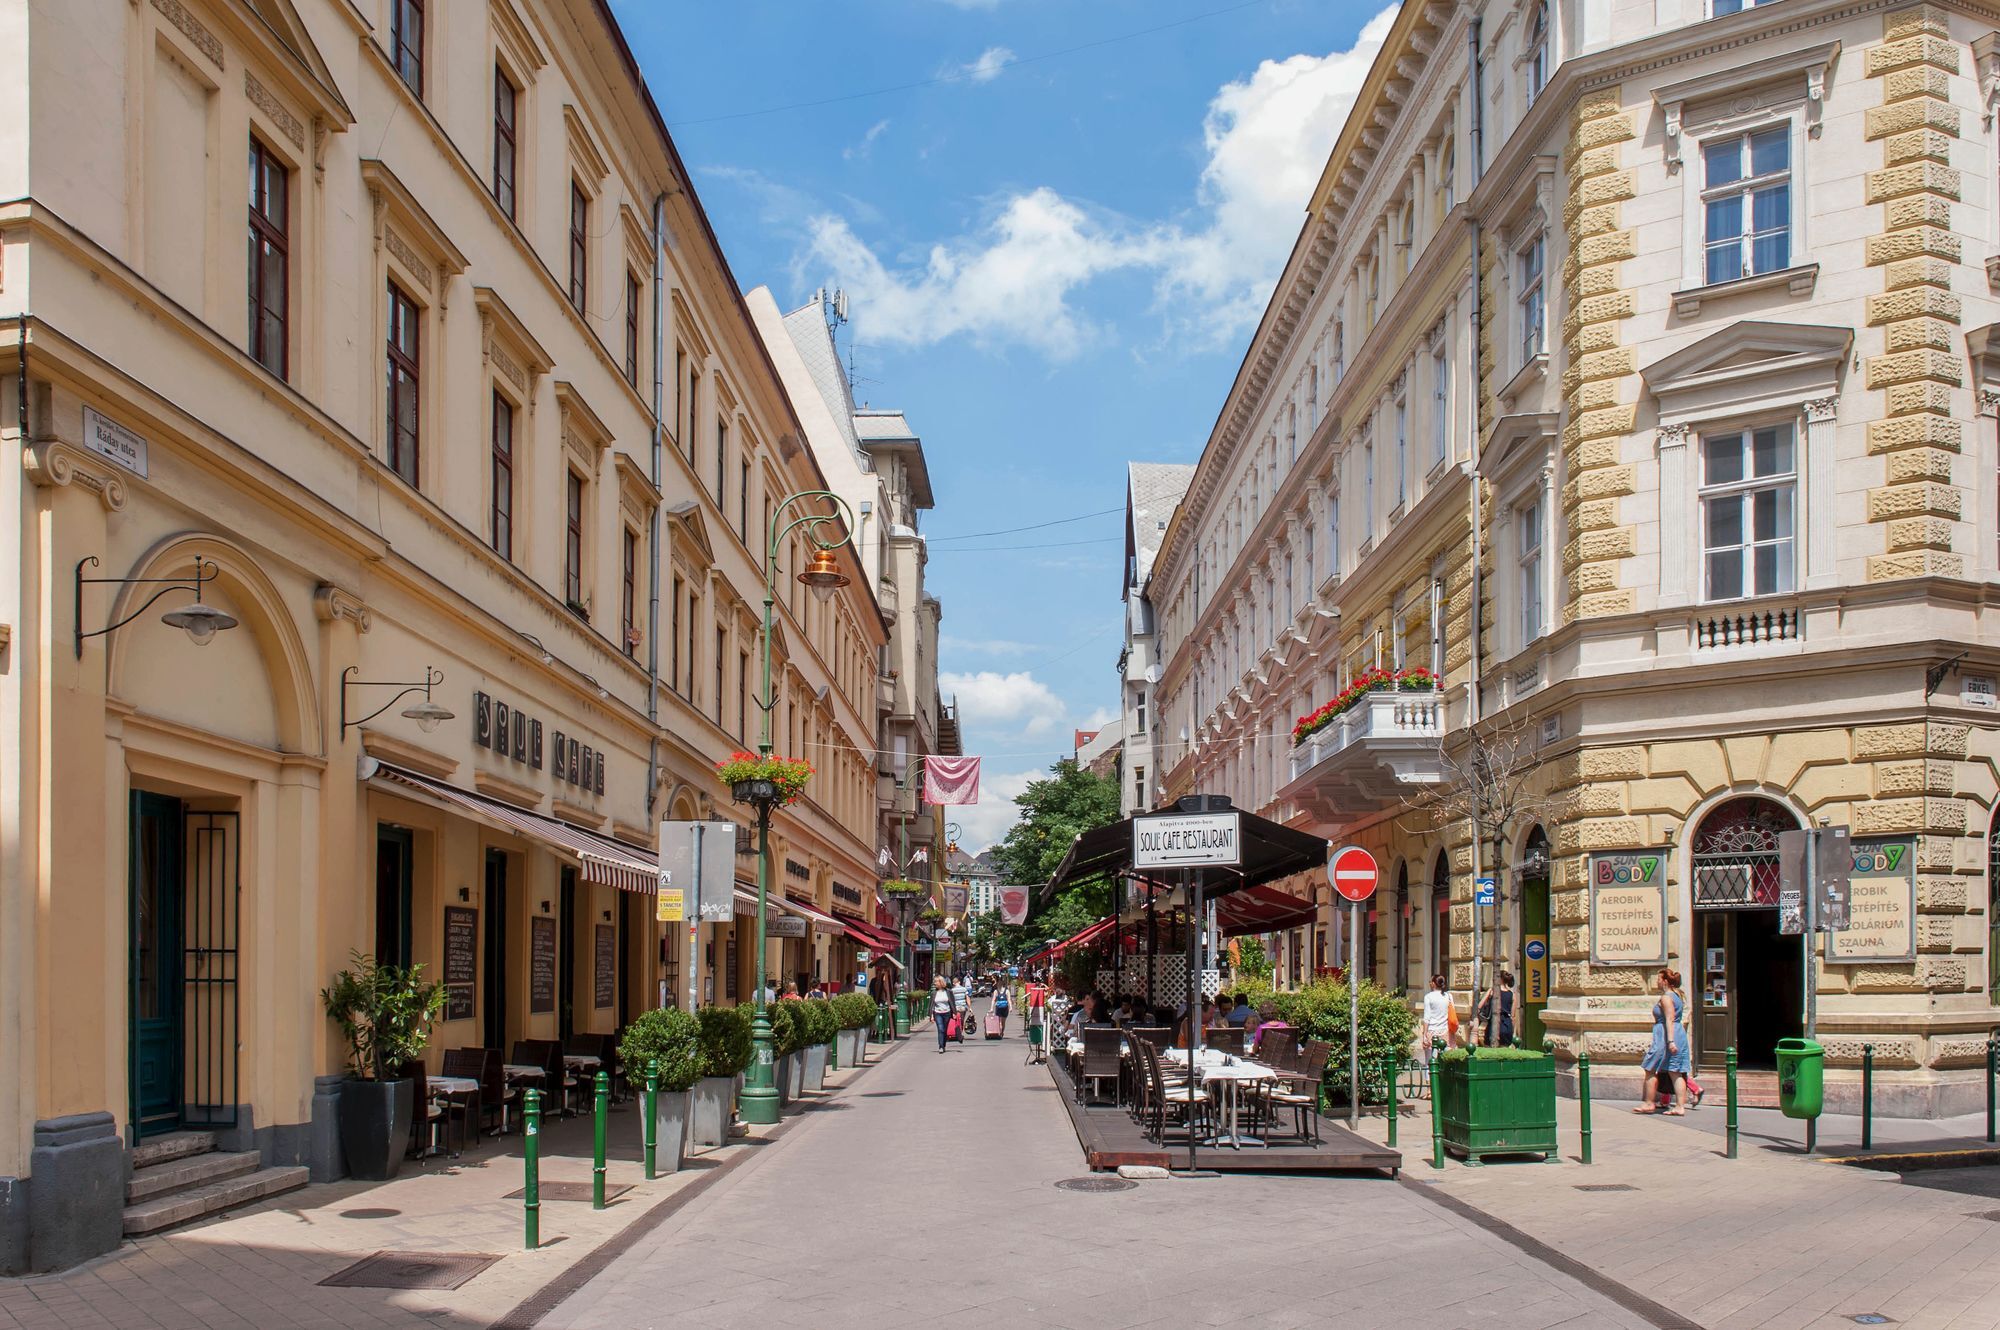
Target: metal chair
[[427, 1115], [1100, 1055], [463, 1105]]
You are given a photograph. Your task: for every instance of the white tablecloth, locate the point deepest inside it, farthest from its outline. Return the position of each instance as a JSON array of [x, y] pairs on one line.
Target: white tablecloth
[[582, 1061], [527, 1072], [452, 1084]]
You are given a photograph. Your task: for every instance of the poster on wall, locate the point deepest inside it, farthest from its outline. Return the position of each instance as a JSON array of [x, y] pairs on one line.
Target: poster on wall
[[1628, 908], [604, 980], [541, 965], [461, 962], [1881, 905]]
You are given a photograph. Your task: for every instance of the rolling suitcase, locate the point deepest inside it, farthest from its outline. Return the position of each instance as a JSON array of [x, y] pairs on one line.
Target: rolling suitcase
[[994, 1026]]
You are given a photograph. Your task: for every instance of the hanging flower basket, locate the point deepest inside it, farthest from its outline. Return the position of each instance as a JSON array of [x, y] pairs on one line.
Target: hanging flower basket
[[1413, 680], [897, 886], [776, 781]]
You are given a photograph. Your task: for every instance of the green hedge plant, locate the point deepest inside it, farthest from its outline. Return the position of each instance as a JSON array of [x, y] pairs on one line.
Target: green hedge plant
[[1319, 1011], [855, 1011], [820, 1022], [671, 1039], [786, 1028], [726, 1048], [1501, 1053]]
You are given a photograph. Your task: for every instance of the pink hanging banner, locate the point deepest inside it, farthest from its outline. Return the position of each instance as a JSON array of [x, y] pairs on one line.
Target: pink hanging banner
[[951, 780], [1014, 905]]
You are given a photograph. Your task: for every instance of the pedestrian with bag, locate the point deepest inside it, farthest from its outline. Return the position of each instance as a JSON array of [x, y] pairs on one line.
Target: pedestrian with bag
[[1499, 999], [1439, 1020], [941, 1009], [1000, 1006], [1667, 1061]]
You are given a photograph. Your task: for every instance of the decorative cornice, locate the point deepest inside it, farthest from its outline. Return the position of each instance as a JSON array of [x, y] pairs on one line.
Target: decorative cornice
[[192, 28], [261, 98], [53, 465]]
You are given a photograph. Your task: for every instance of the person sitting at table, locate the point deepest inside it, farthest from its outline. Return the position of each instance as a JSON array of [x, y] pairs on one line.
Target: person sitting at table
[[1088, 1012], [1240, 1012], [1267, 1018]]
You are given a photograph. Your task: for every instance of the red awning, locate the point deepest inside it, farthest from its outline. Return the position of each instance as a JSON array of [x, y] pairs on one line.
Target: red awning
[[867, 937], [1261, 910], [1082, 939]]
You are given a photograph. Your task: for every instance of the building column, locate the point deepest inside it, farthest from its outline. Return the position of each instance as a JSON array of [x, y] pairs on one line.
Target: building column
[[1671, 442]]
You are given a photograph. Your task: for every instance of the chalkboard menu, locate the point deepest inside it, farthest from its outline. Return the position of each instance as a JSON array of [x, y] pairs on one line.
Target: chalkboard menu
[[461, 961], [541, 964], [606, 979]]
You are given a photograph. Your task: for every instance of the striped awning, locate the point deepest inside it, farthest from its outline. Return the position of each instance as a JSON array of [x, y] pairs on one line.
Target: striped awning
[[605, 861], [746, 904]]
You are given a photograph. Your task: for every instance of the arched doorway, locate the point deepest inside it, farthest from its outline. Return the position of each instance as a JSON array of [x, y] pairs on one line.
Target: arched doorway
[[1439, 938], [1748, 978], [1534, 976]]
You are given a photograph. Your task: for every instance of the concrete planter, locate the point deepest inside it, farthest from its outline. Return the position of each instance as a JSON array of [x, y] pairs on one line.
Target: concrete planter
[[672, 1114], [786, 1069], [815, 1068], [851, 1044], [713, 1097], [375, 1127]]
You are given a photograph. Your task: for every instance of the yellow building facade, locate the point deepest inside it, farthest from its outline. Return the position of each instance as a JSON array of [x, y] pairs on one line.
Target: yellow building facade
[[475, 454]]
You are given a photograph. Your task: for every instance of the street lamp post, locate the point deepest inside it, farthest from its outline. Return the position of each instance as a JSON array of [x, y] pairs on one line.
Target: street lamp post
[[823, 575]]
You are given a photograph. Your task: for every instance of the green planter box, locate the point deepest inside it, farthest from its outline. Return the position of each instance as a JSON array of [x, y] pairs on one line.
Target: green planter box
[[1497, 1105]]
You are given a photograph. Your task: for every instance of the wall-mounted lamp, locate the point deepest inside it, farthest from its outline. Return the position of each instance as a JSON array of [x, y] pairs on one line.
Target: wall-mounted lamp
[[1670, 833], [465, 893], [427, 714], [602, 691], [200, 622], [548, 657]]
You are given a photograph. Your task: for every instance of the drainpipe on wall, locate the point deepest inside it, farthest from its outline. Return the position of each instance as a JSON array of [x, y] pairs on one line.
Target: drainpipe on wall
[[1472, 690], [653, 520]]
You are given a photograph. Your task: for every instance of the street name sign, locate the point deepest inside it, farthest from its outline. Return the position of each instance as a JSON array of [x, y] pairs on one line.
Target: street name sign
[[1187, 840], [1353, 873]]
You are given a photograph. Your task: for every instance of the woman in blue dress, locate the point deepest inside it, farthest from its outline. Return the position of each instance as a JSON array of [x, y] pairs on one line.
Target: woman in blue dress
[[1667, 1061]]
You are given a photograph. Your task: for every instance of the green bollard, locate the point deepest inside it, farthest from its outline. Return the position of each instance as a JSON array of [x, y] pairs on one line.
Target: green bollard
[[1868, 1096], [652, 1126], [597, 1145], [1437, 1122], [1583, 1100], [1729, 1072], [1393, 1113], [1992, 1071], [531, 1158]]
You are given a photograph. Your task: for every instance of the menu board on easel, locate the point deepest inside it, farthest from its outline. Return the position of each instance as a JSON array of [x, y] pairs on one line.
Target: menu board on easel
[[461, 962], [541, 965], [605, 980]]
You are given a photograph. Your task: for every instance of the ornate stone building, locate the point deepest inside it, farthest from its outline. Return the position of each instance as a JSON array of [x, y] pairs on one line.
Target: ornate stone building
[[1641, 390]]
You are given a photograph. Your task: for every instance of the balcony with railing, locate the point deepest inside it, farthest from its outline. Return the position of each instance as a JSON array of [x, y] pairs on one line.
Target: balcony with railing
[[1377, 751]]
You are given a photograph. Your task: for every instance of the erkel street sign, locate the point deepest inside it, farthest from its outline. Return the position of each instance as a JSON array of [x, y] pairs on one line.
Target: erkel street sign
[[1353, 873]]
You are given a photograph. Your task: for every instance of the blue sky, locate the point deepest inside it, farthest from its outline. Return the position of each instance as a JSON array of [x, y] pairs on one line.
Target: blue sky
[[1054, 259]]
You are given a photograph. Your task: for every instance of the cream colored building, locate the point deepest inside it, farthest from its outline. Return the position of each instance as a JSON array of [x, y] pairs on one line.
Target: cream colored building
[[1634, 374], [1152, 491], [465, 399]]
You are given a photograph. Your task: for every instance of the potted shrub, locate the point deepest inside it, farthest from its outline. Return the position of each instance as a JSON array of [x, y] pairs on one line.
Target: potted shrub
[[1319, 1011], [776, 781], [725, 1052], [857, 1013], [669, 1040], [784, 1048], [385, 1012], [820, 1028], [1496, 1101]]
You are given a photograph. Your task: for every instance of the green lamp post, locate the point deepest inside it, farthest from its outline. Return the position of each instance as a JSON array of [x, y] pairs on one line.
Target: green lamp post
[[827, 531]]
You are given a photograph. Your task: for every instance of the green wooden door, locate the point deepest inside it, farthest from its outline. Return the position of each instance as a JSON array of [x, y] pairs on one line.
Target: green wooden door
[[157, 868]]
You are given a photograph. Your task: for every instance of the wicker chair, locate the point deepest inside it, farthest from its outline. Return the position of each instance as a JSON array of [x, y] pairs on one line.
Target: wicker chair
[[1167, 1098], [1301, 1094]]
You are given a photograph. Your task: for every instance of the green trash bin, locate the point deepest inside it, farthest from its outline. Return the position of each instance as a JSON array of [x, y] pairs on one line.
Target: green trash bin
[[1801, 1078]]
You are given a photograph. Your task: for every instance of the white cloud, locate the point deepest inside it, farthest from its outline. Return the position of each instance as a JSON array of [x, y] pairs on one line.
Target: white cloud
[[1099, 717], [986, 823], [988, 66], [1015, 280], [1016, 702], [866, 147]]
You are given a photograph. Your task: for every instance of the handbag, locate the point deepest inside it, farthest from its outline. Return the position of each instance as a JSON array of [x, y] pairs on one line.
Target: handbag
[[951, 1030], [1451, 1020]]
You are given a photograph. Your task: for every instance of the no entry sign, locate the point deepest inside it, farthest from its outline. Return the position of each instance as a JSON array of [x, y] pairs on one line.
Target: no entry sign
[[1353, 872]]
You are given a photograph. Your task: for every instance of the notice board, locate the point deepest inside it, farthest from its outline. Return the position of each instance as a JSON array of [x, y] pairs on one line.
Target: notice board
[[604, 984], [541, 964], [461, 962], [1881, 905], [1628, 908]]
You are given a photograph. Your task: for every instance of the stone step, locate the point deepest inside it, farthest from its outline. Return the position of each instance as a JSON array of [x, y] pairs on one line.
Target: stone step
[[188, 1171], [173, 1145], [150, 1216]]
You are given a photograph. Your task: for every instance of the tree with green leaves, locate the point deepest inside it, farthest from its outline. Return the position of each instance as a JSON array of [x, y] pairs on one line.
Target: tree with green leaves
[[1054, 812]]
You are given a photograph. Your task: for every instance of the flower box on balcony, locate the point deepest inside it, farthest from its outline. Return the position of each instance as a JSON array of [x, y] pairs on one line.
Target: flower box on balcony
[[1414, 680]]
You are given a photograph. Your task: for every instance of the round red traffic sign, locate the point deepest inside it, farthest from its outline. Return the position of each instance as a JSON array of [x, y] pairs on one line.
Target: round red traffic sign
[[1353, 872]]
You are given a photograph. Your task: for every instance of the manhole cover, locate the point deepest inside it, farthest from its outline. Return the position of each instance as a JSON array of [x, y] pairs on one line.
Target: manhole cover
[[1095, 1184], [410, 1269], [376, 1213], [1605, 1186], [569, 1191], [1871, 1318]]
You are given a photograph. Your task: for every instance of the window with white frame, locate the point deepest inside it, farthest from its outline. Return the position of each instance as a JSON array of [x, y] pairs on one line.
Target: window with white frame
[[1528, 568], [1718, 8], [1440, 399], [1536, 56], [1139, 787], [1139, 709], [1402, 452], [1374, 288], [1529, 297], [1291, 606], [1339, 362], [1447, 162], [1291, 435], [1746, 203], [1333, 533], [1749, 491], [1312, 397], [1368, 487], [1312, 565]]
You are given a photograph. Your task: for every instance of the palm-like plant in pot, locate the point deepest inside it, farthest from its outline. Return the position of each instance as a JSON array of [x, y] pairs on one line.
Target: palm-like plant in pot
[[385, 1012]]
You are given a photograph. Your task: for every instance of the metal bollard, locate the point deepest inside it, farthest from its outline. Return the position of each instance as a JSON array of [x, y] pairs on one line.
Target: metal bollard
[[1868, 1096], [651, 1131], [531, 1157], [1393, 1113], [1583, 1099], [1992, 1071], [1437, 1123], [597, 1144], [1729, 1070]]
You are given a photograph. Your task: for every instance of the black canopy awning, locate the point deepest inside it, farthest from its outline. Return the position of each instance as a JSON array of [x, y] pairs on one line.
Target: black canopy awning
[[1271, 851]]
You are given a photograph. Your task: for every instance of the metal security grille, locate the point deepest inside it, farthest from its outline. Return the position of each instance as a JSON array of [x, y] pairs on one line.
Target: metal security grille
[[1736, 855], [209, 969]]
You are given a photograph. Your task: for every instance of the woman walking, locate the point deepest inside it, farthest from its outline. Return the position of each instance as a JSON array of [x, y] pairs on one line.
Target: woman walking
[[941, 1008], [1500, 999], [1667, 1062]]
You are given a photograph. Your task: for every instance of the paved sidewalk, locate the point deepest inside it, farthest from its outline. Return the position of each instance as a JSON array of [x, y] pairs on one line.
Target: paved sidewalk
[[260, 1267], [1769, 1239], [929, 1199]]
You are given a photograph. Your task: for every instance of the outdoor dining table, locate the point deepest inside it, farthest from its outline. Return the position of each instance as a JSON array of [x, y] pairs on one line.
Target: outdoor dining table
[[582, 1061], [452, 1086], [1225, 1073], [525, 1071]]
